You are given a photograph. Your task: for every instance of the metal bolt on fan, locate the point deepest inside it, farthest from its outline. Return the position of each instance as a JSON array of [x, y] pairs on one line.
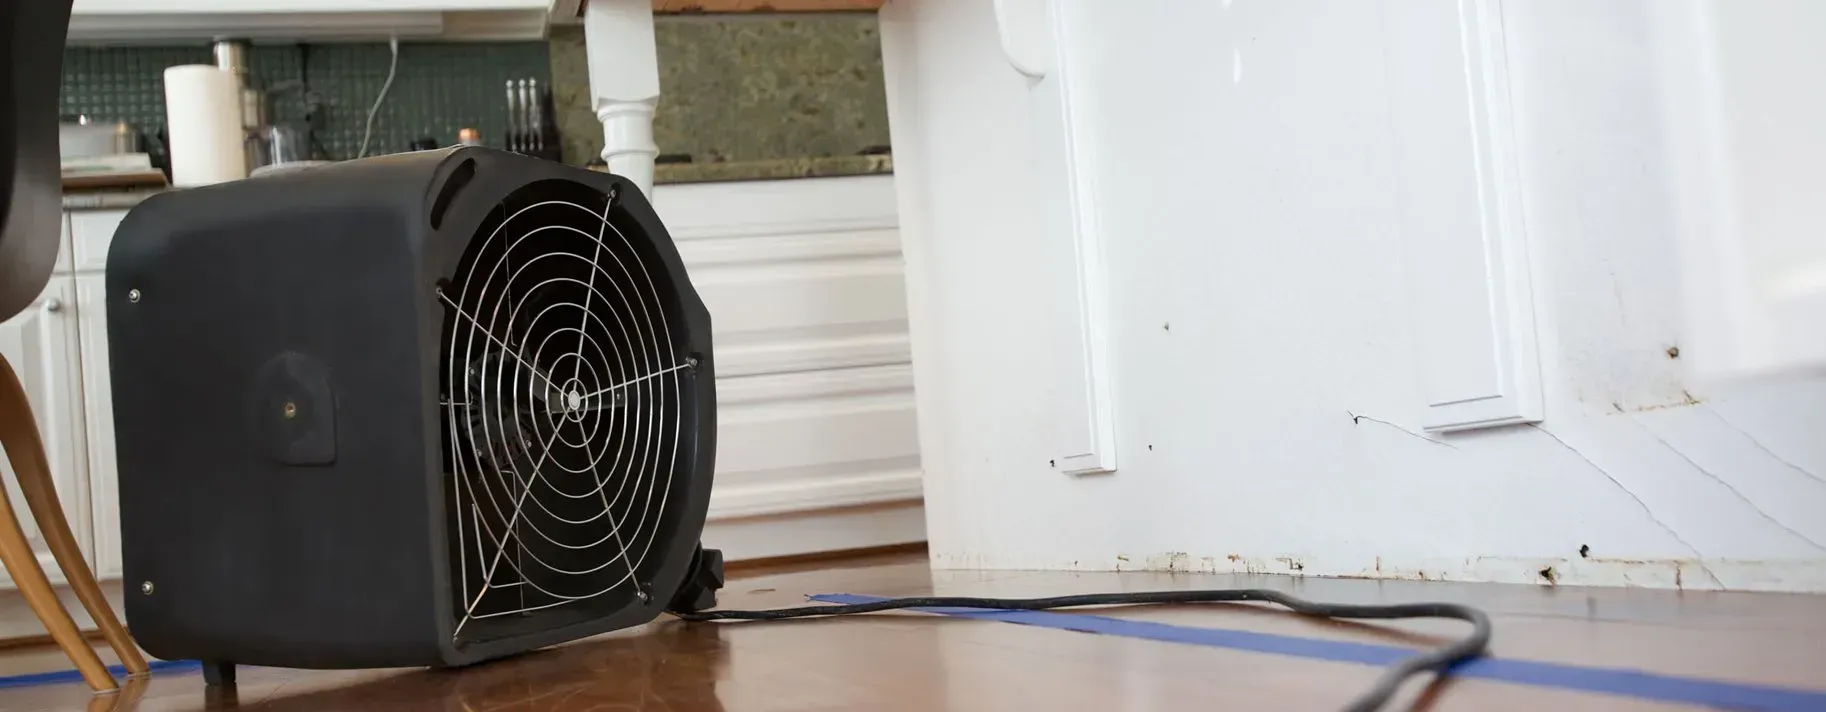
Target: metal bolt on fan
[[425, 409]]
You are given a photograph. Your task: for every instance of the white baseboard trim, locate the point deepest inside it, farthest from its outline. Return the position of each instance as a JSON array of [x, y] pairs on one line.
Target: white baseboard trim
[[815, 494], [18, 621], [817, 532], [1739, 575]]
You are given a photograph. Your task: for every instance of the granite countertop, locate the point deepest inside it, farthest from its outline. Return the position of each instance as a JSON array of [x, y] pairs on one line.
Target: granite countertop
[[662, 174], [772, 169], [107, 199]]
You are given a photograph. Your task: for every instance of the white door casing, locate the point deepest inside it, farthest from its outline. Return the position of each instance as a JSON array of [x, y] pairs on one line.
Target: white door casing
[[1470, 291], [1035, 36]]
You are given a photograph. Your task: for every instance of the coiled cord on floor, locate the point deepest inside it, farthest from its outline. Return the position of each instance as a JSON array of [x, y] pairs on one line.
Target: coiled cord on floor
[[1438, 660]]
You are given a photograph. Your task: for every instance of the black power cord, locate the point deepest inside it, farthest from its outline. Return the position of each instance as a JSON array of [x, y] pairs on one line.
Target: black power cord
[[1439, 660]]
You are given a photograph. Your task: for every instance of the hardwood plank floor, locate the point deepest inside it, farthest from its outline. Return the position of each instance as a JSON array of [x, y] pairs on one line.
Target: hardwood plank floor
[[921, 662]]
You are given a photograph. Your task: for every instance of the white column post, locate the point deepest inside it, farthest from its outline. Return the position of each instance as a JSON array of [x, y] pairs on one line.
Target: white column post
[[624, 84]]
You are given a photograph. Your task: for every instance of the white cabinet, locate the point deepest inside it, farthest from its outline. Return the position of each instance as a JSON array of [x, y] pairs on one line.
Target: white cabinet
[[153, 7], [203, 20], [90, 232], [817, 439], [41, 344], [59, 347], [98, 420]]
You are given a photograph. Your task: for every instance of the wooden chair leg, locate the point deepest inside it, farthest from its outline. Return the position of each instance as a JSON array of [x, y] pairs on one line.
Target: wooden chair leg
[[34, 473], [126, 700], [22, 564], [19, 436]]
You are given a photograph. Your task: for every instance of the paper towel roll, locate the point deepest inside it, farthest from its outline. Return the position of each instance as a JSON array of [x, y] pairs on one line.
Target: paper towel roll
[[203, 125]]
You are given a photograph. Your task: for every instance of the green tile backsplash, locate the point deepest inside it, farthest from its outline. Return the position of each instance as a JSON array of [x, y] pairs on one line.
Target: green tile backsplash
[[440, 87], [733, 88]]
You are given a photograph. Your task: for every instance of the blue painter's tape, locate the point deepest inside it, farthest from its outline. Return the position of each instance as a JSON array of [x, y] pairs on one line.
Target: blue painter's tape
[[1607, 681], [61, 676]]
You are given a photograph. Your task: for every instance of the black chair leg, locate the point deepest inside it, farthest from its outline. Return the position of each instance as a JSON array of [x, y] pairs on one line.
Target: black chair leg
[[217, 673]]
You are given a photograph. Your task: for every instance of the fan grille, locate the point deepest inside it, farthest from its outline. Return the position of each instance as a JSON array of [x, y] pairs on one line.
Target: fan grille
[[566, 381]]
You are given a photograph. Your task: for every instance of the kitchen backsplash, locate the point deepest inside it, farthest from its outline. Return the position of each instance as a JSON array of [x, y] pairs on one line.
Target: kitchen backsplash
[[439, 89], [733, 88]]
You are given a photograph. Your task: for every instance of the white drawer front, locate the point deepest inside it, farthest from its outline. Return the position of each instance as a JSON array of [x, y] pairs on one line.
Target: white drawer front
[[90, 233], [63, 247]]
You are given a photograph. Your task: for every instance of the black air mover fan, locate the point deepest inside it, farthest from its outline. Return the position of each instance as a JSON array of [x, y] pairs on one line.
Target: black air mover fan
[[425, 409]]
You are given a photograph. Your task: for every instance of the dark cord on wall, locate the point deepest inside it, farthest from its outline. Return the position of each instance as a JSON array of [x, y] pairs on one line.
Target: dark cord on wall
[[1440, 660], [313, 108]]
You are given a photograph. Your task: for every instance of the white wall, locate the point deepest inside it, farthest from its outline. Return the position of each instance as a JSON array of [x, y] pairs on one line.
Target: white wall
[[1258, 263], [1745, 120]]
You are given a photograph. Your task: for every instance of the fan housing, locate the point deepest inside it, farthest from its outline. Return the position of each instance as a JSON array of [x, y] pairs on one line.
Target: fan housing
[[426, 409]]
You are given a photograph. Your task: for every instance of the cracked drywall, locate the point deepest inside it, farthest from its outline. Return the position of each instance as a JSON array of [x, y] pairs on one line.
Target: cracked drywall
[[1357, 419], [1580, 567], [1764, 448], [1646, 510], [1686, 400], [1732, 489], [1575, 569]]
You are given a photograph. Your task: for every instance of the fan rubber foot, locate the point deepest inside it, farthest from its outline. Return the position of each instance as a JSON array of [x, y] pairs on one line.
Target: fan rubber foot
[[702, 581], [218, 674]]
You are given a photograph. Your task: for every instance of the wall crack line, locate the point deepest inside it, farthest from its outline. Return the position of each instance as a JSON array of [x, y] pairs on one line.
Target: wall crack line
[[1760, 446], [1720, 480], [1699, 558], [1354, 419]]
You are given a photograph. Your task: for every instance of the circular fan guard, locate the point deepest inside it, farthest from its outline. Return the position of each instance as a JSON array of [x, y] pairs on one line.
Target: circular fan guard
[[566, 384]]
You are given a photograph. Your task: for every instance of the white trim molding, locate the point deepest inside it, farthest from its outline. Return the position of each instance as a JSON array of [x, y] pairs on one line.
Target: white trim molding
[[767, 537], [1026, 31], [803, 496], [1469, 283], [624, 84], [1036, 37]]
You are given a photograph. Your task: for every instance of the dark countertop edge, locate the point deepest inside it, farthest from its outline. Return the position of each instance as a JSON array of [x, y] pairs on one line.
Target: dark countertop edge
[[775, 169], [666, 174], [106, 199]]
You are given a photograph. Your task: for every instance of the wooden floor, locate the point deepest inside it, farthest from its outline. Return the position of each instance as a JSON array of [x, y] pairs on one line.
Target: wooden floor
[[922, 662]]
